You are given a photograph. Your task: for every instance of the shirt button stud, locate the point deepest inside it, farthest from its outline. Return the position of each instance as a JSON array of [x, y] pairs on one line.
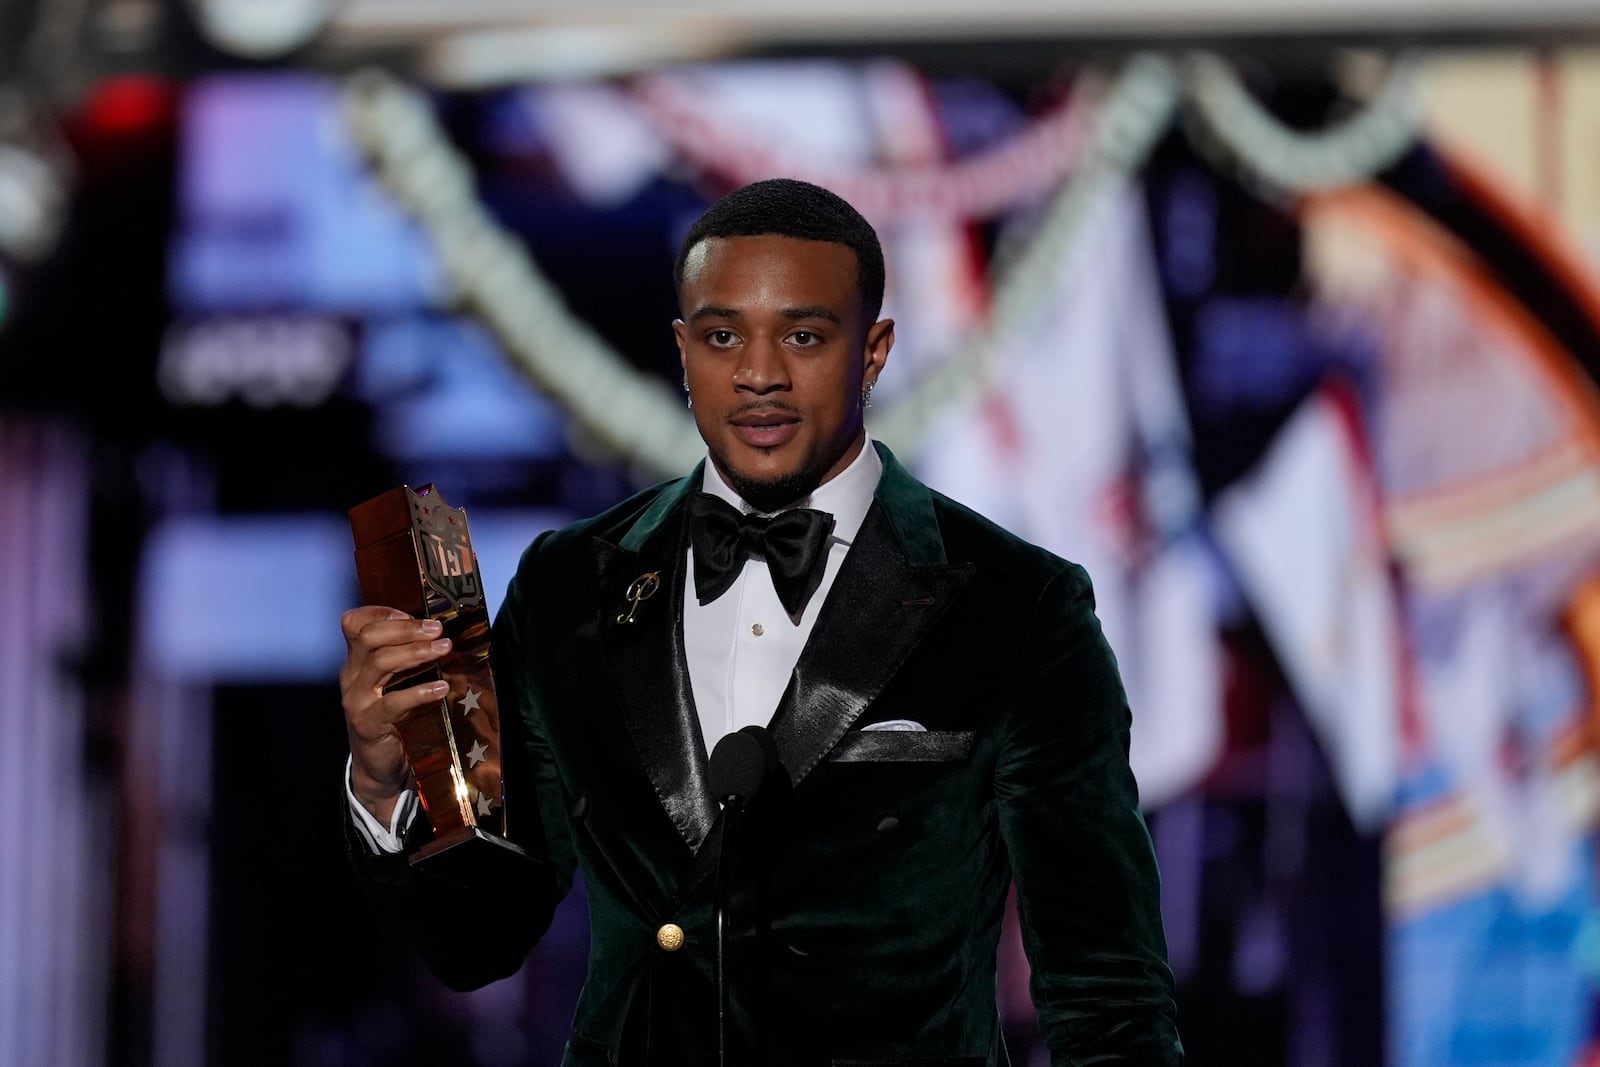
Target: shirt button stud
[[758, 629], [670, 937]]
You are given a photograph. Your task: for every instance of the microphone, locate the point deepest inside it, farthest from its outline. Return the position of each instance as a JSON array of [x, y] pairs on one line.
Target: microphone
[[739, 766]]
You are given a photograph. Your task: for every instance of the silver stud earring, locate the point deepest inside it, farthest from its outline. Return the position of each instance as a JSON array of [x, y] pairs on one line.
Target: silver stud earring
[[688, 398], [866, 395]]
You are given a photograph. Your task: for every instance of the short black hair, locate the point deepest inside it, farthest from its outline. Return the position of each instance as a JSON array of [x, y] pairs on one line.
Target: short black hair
[[788, 207]]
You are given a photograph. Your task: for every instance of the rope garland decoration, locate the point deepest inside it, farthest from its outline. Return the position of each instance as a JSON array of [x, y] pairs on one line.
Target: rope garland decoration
[[642, 419], [491, 275], [1020, 169], [627, 412], [1290, 162], [1136, 111]]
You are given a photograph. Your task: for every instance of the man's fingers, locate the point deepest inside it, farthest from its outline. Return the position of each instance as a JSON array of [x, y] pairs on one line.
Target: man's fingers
[[354, 620], [394, 705], [378, 666], [413, 696], [381, 642], [372, 627]]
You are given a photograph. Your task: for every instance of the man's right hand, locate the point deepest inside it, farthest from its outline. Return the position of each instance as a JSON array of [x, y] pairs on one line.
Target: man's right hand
[[382, 643]]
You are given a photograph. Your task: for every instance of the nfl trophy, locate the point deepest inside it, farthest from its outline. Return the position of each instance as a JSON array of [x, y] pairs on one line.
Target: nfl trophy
[[414, 552]]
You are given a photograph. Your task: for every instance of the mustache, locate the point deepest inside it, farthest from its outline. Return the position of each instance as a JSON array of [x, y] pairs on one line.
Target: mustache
[[762, 407]]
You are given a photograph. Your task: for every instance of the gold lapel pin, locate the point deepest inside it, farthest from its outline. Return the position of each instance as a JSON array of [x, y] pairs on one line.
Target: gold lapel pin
[[641, 588]]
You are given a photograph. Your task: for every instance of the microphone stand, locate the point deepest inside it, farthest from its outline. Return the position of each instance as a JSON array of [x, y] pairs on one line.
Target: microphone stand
[[733, 819], [737, 769]]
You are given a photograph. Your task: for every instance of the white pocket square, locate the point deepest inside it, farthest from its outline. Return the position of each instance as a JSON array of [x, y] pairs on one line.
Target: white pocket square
[[894, 724]]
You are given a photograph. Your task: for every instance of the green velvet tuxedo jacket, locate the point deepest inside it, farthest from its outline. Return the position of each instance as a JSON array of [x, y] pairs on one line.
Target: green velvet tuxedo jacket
[[865, 926]]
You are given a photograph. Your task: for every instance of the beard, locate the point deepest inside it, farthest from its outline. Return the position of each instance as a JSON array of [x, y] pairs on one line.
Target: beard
[[773, 494]]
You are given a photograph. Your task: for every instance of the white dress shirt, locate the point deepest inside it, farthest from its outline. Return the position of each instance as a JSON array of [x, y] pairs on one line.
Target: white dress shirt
[[742, 647]]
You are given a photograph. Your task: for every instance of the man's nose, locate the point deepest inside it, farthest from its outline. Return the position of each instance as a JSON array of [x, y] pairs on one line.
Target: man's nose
[[763, 369]]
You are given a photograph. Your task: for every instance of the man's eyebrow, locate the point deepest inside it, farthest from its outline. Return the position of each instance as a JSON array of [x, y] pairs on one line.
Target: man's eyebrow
[[811, 313], [708, 311]]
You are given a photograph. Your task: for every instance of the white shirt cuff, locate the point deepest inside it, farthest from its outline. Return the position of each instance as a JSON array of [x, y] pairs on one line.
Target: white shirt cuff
[[378, 837]]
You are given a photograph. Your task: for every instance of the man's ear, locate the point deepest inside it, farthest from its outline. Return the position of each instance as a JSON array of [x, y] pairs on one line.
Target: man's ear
[[880, 339], [678, 331]]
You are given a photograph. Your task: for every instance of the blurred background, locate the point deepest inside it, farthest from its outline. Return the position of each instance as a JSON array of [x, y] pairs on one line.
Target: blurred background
[[1281, 316]]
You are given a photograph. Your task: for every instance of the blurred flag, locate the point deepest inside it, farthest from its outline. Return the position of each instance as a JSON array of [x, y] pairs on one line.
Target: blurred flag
[[1304, 532], [1083, 447]]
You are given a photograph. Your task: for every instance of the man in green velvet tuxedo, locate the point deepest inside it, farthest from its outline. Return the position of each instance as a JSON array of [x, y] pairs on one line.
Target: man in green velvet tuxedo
[[945, 713]]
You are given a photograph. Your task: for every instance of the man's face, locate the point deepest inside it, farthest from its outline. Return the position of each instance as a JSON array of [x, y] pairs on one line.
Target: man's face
[[776, 351]]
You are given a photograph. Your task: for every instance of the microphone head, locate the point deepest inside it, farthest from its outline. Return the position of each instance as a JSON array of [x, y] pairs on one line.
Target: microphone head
[[738, 764]]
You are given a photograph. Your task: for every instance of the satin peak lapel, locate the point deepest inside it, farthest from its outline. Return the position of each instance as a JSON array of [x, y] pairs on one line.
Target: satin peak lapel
[[651, 675], [881, 605]]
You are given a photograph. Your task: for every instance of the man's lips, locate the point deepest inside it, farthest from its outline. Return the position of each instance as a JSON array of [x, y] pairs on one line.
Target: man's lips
[[769, 417], [764, 429]]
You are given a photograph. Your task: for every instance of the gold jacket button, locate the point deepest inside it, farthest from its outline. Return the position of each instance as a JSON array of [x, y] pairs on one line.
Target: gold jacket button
[[670, 937]]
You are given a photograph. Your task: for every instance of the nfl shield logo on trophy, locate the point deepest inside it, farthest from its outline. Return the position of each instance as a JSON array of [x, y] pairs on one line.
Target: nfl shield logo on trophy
[[447, 558]]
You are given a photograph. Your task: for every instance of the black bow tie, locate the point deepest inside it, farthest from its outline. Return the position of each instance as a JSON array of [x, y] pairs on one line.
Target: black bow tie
[[794, 543]]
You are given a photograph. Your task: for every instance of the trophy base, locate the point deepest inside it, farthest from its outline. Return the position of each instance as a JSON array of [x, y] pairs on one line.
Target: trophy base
[[472, 858]]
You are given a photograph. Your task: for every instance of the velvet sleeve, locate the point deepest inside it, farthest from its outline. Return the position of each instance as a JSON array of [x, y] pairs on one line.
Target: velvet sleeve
[[471, 936], [1088, 890]]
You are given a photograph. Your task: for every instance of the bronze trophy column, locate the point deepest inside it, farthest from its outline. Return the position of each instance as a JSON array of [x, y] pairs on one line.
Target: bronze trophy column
[[413, 552]]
